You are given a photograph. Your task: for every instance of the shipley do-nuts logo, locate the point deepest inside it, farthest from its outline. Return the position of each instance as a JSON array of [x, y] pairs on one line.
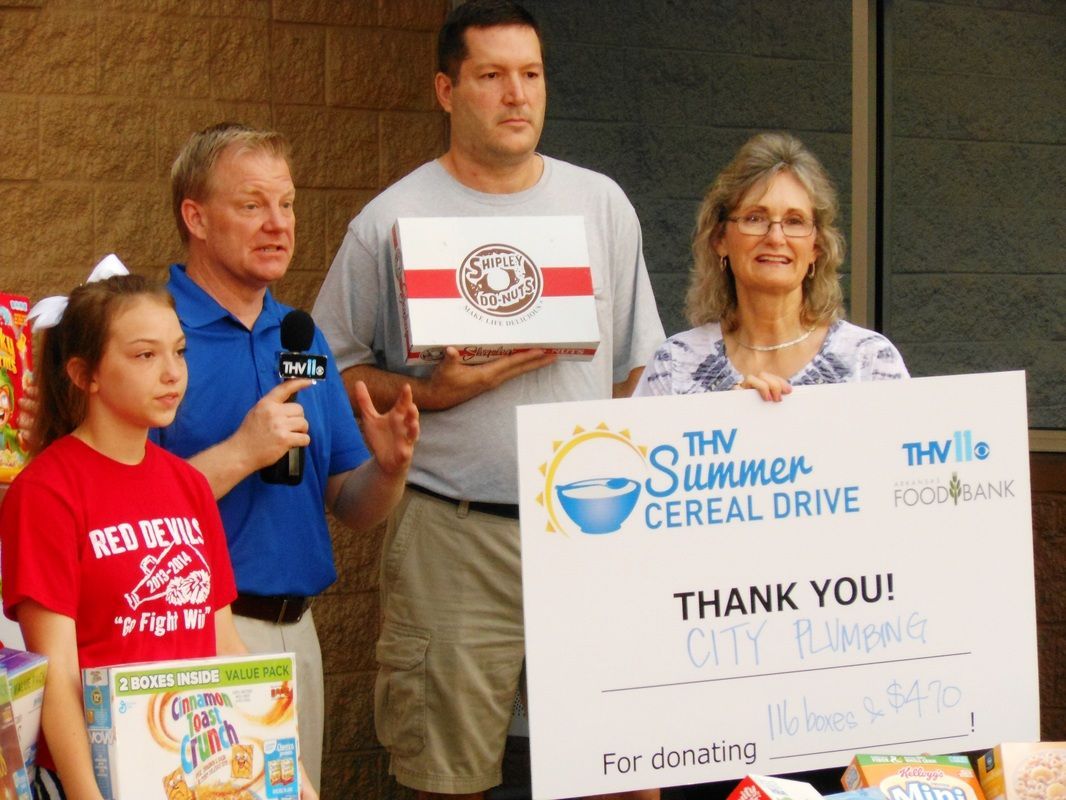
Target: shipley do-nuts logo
[[500, 280]]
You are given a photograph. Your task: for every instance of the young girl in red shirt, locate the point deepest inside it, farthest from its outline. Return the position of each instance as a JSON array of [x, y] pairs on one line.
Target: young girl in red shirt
[[110, 545]]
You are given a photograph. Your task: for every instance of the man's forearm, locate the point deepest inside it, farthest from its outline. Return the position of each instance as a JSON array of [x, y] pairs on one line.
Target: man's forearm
[[366, 496], [224, 465], [450, 383], [384, 386]]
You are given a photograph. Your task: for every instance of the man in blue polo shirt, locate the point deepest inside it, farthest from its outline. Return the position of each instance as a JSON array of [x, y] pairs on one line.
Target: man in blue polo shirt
[[233, 193]]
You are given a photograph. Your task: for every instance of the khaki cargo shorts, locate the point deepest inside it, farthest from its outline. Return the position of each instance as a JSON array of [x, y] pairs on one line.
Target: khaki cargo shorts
[[451, 646]]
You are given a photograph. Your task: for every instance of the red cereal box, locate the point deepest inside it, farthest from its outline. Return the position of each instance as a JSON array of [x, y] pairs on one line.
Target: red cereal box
[[768, 787], [15, 366]]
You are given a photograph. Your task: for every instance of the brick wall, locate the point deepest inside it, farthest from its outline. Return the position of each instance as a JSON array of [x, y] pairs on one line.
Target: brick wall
[[97, 96], [976, 278], [1049, 542], [660, 95]]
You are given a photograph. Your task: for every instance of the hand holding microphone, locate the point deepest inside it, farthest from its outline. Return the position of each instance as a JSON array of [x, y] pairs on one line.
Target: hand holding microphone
[[297, 369]]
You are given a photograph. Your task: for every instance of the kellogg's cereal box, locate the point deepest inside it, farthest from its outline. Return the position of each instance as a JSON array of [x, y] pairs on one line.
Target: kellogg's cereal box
[[16, 363], [915, 777], [1024, 771], [763, 787], [491, 286], [199, 729]]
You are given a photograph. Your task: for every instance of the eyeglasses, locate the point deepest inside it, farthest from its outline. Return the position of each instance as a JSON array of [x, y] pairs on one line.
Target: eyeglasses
[[793, 226]]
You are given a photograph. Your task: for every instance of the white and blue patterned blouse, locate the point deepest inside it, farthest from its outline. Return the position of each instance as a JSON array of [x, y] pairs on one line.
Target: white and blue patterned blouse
[[695, 361]]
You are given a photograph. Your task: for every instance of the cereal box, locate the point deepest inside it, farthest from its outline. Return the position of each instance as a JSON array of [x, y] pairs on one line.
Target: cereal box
[[16, 363], [915, 777], [763, 787], [14, 782], [25, 674], [490, 286], [869, 793], [1024, 771], [202, 729]]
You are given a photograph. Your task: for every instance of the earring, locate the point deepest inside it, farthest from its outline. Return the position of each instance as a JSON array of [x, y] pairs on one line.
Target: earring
[[725, 263], [810, 272]]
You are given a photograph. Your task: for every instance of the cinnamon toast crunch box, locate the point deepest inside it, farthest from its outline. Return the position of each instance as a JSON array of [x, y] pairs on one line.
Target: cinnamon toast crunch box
[[491, 286], [915, 777], [216, 728], [1024, 771], [16, 363]]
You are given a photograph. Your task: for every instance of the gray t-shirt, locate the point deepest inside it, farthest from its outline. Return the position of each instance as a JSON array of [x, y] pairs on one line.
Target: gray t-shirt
[[469, 451]]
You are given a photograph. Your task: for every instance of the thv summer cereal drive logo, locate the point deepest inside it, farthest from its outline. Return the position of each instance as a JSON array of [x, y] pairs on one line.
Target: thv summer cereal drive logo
[[579, 490], [600, 481]]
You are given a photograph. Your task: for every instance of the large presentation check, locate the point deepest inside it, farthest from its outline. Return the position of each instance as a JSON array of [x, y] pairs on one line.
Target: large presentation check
[[717, 586]]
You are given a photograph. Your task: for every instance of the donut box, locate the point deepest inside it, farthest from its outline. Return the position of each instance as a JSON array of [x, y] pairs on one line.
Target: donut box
[[491, 286]]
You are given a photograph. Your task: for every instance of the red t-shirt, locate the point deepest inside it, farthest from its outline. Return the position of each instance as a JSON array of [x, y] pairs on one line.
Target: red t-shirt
[[135, 555]]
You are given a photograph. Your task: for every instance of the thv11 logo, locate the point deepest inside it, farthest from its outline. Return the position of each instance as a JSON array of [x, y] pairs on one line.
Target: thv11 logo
[[960, 447]]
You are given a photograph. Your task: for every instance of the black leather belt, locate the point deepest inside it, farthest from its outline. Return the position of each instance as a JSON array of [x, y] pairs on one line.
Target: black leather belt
[[277, 609], [508, 510]]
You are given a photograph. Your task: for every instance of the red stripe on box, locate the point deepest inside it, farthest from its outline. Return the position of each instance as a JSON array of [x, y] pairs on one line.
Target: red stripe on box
[[439, 284]]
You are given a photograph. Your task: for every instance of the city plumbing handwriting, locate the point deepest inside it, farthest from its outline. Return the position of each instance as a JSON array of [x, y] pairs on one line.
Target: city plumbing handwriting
[[739, 643], [742, 644], [694, 483]]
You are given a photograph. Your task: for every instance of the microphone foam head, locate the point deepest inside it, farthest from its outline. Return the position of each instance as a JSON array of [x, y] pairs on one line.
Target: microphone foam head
[[297, 331]]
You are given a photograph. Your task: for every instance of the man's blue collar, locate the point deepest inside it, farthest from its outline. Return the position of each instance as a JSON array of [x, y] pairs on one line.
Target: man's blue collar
[[198, 309]]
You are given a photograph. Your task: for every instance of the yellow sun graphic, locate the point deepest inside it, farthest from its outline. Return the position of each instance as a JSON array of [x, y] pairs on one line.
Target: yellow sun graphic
[[561, 448]]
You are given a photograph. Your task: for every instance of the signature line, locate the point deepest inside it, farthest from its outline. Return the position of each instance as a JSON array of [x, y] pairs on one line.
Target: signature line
[[788, 672], [865, 747]]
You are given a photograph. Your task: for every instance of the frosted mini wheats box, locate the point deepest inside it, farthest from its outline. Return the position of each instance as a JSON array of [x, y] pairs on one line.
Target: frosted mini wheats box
[[491, 286], [915, 777], [219, 728]]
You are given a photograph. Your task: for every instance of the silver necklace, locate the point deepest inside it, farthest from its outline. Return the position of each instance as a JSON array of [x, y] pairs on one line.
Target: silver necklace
[[768, 348]]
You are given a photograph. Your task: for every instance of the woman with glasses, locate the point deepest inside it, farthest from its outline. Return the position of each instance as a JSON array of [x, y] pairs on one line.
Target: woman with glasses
[[765, 295]]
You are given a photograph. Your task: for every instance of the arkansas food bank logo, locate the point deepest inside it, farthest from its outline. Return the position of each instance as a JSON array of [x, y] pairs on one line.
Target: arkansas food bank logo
[[500, 280], [959, 447], [592, 481]]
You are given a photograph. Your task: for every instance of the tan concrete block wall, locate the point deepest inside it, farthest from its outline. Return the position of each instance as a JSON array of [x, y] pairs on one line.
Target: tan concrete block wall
[[96, 98]]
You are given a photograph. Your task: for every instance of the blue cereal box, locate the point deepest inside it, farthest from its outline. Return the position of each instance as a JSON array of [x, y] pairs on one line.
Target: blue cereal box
[[26, 672], [14, 781], [221, 728]]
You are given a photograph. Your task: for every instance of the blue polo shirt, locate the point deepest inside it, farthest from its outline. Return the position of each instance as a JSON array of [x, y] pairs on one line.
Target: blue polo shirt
[[278, 539]]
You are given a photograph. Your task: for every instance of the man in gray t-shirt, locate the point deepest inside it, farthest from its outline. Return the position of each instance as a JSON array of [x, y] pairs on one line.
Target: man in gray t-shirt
[[451, 646]]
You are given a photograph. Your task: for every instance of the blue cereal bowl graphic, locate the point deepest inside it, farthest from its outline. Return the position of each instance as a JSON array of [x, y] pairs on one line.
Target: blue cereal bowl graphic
[[599, 505]]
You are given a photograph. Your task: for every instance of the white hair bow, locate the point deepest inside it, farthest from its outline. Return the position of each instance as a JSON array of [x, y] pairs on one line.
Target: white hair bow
[[48, 312]]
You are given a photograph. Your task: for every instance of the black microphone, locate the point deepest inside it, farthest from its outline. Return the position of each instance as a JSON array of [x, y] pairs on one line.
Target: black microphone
[[297, 333]]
